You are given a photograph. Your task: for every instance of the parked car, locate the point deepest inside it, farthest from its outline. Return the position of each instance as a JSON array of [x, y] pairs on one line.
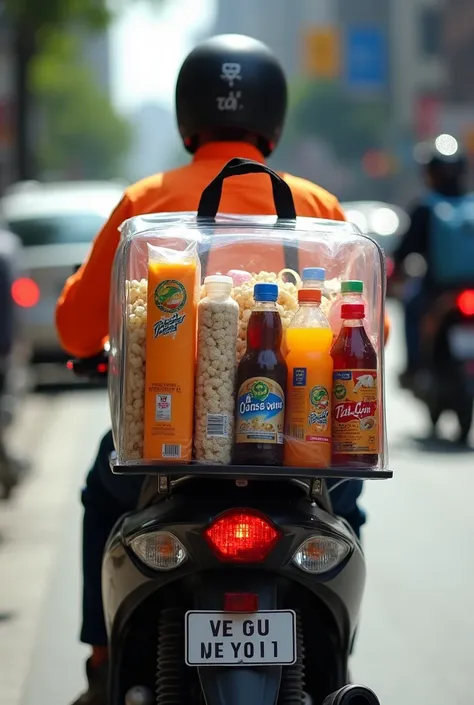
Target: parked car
[[383, 222], [56, 223]]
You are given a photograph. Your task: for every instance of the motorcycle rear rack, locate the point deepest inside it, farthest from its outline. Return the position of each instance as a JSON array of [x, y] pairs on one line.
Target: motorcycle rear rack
[[173, 471]]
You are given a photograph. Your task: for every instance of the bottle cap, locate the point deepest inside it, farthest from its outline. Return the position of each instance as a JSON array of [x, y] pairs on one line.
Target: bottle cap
[[309, 296], [352, 311], [218, 285], [316, 273], [218, 279], [265, 292], [352, 287]]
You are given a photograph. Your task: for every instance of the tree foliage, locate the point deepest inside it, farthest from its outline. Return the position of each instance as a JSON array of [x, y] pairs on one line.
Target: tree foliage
[[80, 131], [351, 125]]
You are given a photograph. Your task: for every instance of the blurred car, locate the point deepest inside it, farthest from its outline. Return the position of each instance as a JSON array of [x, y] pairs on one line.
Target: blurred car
[[56, 223], [383, 222]]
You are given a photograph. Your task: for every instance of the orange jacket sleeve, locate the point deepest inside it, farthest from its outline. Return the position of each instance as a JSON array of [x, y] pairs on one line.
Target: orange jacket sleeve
[[82, 312]]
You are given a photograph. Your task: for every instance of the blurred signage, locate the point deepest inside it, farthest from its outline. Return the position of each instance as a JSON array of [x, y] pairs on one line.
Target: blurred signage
[[321, 52], [366, 60], [427, 116]]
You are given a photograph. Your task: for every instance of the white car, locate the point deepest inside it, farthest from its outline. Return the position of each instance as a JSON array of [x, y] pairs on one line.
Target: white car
[[56, 223]]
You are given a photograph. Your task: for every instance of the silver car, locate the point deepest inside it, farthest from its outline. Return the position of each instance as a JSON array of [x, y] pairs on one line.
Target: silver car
[[383, 222], [56, 223]]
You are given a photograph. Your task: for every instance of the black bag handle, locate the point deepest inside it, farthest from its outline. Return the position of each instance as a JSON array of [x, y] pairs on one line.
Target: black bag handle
[[282, 198], [211, 196]]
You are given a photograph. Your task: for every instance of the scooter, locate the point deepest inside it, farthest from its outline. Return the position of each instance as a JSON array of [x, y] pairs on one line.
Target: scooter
[[446, 380], [231, 591]]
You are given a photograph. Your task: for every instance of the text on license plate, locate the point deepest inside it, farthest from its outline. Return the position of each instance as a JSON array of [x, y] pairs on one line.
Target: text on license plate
[[461, 342], [237, 639]]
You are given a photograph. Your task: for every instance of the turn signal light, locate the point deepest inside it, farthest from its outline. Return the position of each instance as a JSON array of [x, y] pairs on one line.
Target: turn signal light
[[159, 550], [320, 554], [25, 292], [465, 303], [242, 536]]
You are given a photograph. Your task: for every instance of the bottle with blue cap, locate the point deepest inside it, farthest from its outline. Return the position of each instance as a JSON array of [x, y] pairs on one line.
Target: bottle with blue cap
[[261, 385], [313, 278]]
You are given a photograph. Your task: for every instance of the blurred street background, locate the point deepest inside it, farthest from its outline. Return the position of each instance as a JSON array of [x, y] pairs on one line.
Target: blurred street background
[[86, 106]]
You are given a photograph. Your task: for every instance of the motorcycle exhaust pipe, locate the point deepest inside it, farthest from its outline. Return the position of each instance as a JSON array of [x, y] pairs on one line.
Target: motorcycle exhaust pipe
[[353, 695]]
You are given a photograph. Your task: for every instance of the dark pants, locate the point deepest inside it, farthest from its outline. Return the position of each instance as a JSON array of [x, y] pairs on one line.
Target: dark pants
[[106, 497], [414, 301]]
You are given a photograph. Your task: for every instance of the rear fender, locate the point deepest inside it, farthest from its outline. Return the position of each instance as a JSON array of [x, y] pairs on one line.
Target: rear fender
[[240, 685]]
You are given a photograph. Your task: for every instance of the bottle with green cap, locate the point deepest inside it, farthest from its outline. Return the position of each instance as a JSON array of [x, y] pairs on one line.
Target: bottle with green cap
[[352, 292]]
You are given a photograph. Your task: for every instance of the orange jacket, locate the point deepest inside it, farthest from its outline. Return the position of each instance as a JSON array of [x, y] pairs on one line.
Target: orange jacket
[[83, 308]]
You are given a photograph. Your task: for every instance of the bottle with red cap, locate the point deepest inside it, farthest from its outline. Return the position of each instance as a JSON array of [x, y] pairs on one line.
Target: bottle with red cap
[[355, 413]]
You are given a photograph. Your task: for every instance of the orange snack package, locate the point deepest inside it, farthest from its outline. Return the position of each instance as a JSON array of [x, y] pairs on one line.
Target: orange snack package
[[173, 285]]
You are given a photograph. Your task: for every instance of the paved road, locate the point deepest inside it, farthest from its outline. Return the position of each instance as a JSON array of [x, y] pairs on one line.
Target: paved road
[[416, 642]]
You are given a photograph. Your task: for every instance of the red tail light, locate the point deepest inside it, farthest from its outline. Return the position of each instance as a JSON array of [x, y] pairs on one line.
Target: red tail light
[[242, 536], [465, 302], [25, 292], [102, 368], [389, 265]]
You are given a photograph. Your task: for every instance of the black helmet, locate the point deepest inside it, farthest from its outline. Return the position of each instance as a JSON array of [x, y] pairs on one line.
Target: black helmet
[[231, 82]]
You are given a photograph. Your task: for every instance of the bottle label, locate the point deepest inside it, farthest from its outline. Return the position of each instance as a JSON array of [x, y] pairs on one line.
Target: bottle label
[[260, 412], [355, 427], [310, 407]]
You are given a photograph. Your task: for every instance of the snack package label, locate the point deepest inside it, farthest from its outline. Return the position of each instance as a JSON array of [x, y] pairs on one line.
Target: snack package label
[[355, 414], [170, 361], [260, 412]]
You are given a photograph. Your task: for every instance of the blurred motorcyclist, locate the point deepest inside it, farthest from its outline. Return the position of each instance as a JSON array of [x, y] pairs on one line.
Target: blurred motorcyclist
[[231, 99], [445, 169]]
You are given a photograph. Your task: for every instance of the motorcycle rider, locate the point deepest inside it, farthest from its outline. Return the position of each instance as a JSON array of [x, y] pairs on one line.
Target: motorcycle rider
[[445, 171], [231, 99]]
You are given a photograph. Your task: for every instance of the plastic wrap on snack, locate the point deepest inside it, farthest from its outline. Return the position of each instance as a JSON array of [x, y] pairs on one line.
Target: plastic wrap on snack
[[251, 251]]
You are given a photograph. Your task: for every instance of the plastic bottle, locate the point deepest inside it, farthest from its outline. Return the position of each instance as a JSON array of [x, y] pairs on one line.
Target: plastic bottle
[[352, 292], [313, 277], [309, 387], [355, 412], [261, 385], [218, 320]]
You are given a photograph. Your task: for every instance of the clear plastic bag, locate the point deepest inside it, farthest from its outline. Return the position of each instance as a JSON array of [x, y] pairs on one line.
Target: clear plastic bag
[[252, 250]]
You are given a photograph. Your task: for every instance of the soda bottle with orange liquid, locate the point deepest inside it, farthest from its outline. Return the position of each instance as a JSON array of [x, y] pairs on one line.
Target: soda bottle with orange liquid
[[355, 440], [309, 387]]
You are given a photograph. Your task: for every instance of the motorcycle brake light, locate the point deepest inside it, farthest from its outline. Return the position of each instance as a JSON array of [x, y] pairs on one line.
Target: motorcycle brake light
[[389, 266], [240, 602], [465, 302], [242, 536], [25, 292]]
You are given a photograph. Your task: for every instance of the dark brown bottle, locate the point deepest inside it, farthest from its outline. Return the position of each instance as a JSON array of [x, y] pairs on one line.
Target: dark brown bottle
[[261, 385]]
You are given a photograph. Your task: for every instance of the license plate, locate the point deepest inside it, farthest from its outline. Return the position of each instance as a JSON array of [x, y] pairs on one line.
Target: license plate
[[461, 342], [238, 639]]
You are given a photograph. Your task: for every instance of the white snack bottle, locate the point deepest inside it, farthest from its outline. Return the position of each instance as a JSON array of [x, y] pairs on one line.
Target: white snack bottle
[[218, 320], [313, 278]]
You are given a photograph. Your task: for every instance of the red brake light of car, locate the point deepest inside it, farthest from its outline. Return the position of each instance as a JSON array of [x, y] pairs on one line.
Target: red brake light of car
[[465, 302], [102, 368], [242, 536], [25, 292]]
